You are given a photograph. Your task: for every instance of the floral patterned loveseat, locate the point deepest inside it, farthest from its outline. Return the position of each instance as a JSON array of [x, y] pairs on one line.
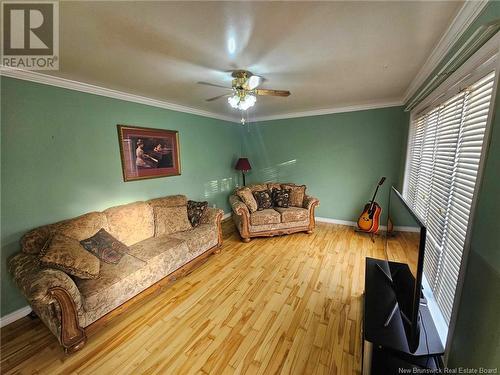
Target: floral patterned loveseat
[[273, 221], [68, 305]]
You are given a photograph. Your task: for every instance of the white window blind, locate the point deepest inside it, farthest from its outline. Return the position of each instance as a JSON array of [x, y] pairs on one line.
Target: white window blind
[[444, 151]]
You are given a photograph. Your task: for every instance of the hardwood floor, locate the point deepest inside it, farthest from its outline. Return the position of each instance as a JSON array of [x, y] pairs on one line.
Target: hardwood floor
[[289, 305]]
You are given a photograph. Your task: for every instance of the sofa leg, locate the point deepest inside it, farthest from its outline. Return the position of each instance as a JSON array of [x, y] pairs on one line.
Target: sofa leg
[[246, 239], [76, 347]]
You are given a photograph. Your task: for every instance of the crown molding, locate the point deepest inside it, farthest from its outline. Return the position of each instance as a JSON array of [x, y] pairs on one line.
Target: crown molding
[[328, 111], [46, 79], [465, 17]]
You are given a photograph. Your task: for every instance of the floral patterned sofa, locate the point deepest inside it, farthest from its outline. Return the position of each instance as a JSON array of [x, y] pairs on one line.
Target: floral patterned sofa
[[273, 221], [69, 305]]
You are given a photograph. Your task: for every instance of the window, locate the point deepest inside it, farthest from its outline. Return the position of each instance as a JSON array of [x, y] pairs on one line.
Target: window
[[444, 152]]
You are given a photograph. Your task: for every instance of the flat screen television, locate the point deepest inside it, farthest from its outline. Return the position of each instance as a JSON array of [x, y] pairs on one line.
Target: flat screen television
[[405, 245]]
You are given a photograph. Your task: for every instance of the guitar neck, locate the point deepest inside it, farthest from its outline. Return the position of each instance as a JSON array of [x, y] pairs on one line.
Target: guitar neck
[[376, 191], [373, 199]]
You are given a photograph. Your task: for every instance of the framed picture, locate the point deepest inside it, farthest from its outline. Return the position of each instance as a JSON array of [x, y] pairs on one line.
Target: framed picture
[[148, 153]]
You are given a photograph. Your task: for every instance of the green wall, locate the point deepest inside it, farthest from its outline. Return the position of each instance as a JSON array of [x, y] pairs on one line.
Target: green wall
[[340, 157], [60, 158]]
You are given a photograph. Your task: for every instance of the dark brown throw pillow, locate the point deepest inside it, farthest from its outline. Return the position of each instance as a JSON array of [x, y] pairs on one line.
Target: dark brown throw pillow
[[104, 246], [195, 212], [264, 199], [281, 198]]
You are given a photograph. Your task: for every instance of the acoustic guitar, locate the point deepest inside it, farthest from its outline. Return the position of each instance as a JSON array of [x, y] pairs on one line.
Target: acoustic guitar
[[369, 219]]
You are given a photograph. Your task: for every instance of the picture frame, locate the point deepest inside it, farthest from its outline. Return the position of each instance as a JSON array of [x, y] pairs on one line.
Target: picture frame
[[148, 152]]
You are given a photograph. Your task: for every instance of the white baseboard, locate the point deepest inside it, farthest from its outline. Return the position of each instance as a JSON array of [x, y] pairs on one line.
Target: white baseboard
[[354, 224], [13, 316], [335, 221], [406, 229], [226, 215], [342, 222]]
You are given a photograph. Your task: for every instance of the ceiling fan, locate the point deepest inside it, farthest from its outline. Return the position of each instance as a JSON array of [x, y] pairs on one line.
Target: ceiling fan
[[244, 90]]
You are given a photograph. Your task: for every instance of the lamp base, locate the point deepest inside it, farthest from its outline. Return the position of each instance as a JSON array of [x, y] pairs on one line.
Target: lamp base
[[243, 174]]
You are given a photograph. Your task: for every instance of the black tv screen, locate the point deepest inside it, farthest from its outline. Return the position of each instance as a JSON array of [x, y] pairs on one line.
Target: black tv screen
[[405, 244]]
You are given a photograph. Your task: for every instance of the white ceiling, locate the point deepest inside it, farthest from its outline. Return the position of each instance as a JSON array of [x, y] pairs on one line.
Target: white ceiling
[[328, 54]]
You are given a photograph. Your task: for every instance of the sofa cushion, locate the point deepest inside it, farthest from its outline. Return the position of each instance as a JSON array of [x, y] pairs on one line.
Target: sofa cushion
[[199, 239], [170, 201], [170, 220], [121, 282], [257, 187], [152, 247], [263, 199], [104, 246], [130, 223], [246, 196], [82, 227], [195, 211], [66, 254], [268, 216], [109, 274], [291, 214], [297, 193]]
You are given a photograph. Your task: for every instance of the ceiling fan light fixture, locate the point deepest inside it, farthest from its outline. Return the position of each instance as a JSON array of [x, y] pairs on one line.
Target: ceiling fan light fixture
[[233, 101], [247, 102]]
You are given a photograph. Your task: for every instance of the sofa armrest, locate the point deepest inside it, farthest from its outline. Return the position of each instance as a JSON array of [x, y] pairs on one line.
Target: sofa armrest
[[35, 281], [309, 202], [239, 208], [214, 216], [241, 216], [53, 296], [211, 215]]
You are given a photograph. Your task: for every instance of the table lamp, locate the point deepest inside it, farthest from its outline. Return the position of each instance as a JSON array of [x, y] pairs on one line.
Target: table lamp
[[244, 166]]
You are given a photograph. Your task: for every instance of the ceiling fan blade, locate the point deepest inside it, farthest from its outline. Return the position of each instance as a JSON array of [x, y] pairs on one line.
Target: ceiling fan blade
[[267, 92], [214, 85], [216, 97], [254, 81]]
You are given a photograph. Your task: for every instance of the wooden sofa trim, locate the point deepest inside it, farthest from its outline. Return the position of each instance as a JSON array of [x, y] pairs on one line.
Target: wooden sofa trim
[[246, 235], [73, 337]]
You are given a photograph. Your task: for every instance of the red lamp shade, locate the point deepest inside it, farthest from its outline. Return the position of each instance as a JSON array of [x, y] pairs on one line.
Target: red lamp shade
[[243, 165]]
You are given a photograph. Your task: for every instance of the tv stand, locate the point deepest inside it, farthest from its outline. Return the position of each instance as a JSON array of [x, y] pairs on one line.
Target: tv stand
[[384, 338]]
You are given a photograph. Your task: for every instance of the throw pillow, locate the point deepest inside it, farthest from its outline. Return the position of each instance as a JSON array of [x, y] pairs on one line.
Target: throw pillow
[[68, 255], [246, 196], [264, 199], [171, 220], [195, 211], [297, 194], [281, 198], [104, 246]]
